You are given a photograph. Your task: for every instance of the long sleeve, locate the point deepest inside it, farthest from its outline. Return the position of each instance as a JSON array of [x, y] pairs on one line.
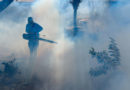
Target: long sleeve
[[27, 28], [37, 28]]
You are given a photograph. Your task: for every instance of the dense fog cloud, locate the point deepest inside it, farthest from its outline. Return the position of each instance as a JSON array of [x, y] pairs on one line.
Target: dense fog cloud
[[66, 65]]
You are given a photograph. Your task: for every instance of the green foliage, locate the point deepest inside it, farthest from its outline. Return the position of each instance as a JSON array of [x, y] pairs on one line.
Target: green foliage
[[108, 59]]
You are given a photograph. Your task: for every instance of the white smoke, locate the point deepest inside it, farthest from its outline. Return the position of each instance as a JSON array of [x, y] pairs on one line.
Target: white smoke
[[65, 65]]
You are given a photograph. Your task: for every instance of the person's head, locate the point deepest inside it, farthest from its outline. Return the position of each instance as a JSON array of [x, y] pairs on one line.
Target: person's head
[[30, 20]]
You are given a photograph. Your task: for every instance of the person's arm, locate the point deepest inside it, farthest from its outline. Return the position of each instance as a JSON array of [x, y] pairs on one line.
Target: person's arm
[[27, 29], [38, 28]]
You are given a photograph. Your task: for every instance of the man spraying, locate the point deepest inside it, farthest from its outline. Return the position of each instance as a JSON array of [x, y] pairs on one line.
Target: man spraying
[[32, 35], [32, 30]]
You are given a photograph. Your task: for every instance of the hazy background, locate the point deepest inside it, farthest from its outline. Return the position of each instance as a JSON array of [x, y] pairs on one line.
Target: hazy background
[[65, 65]]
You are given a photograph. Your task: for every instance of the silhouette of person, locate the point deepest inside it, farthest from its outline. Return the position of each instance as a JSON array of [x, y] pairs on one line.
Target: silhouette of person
[[33, 30]]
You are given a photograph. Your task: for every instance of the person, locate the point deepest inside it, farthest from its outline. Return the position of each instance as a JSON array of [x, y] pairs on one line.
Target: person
[[32, 30], [32, 27]]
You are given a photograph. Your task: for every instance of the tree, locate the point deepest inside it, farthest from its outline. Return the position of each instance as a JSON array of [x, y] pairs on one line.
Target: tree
[[114, 53], [108, 59]]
